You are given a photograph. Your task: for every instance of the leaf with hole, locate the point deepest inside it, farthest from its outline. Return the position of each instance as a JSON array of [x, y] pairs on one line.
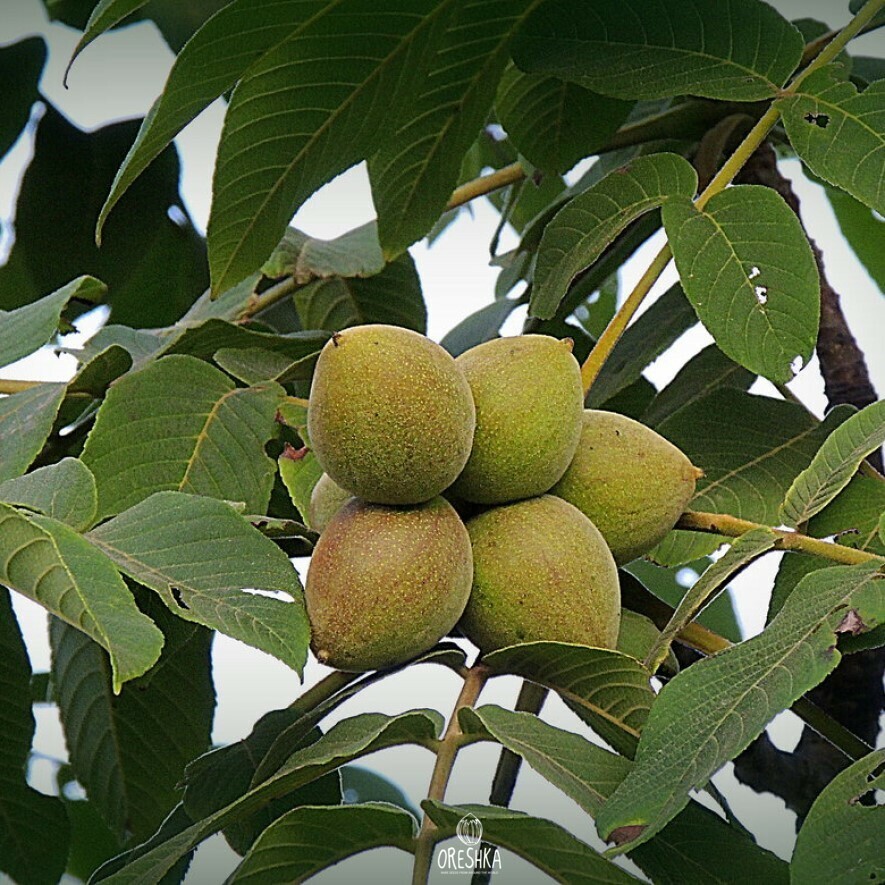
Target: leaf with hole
[[181, 424], [841, 838], [748, 269], [580, 231], [840, 132], [698, 846], [734, 695], [211, 567], [834, 464], [662, 48]]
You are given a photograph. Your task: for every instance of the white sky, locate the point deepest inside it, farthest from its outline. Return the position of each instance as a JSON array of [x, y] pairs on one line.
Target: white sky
[[119, 76]]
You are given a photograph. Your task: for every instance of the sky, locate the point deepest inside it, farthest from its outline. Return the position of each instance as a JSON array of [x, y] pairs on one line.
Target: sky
[[118, 77]]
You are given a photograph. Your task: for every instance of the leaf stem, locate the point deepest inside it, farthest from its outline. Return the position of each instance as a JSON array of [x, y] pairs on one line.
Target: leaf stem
[[12, 385], [447, 750], [270, 296], [733, 527]]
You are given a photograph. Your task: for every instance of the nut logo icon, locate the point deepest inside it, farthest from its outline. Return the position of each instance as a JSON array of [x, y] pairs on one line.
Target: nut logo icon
[[469, 830]]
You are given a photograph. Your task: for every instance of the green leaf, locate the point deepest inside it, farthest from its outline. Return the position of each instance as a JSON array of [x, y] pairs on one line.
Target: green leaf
[[834, 464], [705, 372], [644, 578], [392, 296], [841, 839], [98, 372], [308, 840], [181, 424], [417, 165], [356, 253], [864, 231], [50, 563], [481, 326], [300, 472], [750, 448], [204, 340], [207, 67], [347, 740], [840, 132], [554, 123], [641, 344], [734, 695], [251, 365], [64, 490], [281, 141], [35, 831], [610, 690], [697, 847], [581, 230], [748, 269], [661, 48], [153, 262], [211, 567], [129, 751], [92, 843], [140, 344], [21, 65], [741, 553], [26, 421], [106, 14], [544, 844], [637, 636]]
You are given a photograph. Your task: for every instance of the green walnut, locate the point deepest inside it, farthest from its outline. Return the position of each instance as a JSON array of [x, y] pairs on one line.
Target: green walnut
[[541, 571], [326, 499], [529, 399], [386, 583], [391, 417], [631, 482]]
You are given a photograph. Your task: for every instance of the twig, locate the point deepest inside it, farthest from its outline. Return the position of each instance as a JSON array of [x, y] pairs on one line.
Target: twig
[[446, 752], [12, 385]]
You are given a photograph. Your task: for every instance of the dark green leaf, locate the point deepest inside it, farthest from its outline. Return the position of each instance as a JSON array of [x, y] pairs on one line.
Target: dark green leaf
[[697, 847], [360, 785], [21, 65], [417, 165], [92, 843], [661, 48], [206, 68], [347, 740], [834, 464], [138, 343], [841, 839], [748, 269], [308, 840], [35, 831], [181, 424], [106, 14], [483, 325], [863, 229], [282, 141], [300, 472], [26, 421], [542, 843], [129, 750], [581, 230], [734, 695], [705, 372], [392, 296], [64, 490], [97, 373], [609, 689], [554, 123], [154, 266], [643, 342], [211, 567], [750, 448], [840, 132], [50, 563]]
